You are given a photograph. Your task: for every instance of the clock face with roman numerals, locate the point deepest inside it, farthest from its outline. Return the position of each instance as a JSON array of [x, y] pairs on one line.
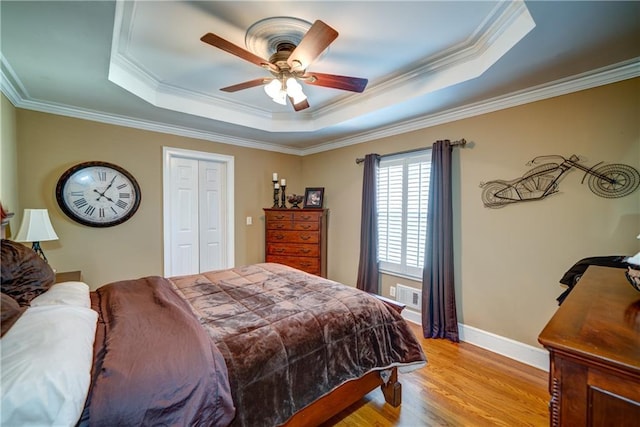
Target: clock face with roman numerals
[[98, 194]]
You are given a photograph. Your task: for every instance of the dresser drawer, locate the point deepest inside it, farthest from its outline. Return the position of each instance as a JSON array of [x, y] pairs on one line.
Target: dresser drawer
[[306, 215], [276, 215], [306, 226], [277, 236], [310, 265], [293, 249], [279, 225], [288, 225]]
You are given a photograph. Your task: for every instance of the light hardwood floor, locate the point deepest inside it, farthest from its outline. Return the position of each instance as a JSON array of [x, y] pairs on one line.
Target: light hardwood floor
[[462, 385]]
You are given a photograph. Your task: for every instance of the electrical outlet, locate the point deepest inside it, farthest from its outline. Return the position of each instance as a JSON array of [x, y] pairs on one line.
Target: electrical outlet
[[249, 220], [392, 291]]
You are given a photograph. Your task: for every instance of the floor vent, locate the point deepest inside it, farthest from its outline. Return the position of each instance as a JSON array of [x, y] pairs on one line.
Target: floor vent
[[410, 296]]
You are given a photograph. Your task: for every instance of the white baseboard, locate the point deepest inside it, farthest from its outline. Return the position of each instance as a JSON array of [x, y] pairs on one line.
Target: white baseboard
[[525, 353]]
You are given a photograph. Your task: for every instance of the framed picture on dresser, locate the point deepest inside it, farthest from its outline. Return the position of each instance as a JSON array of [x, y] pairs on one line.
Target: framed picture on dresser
[[313, 197]]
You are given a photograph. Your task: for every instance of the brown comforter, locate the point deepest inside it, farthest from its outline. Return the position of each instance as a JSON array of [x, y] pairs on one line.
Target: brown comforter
[[154, 365], [289, 337]]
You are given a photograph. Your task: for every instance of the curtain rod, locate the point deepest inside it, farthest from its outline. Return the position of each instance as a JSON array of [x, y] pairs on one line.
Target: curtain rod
[[461, 142]]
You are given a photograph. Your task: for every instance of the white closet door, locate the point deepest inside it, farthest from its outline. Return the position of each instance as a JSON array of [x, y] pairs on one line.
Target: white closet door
[[212, 254], [184, 249], [198, 211]]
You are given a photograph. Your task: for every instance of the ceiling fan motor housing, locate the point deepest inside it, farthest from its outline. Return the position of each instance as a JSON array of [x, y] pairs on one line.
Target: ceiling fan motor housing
[[279, 59]]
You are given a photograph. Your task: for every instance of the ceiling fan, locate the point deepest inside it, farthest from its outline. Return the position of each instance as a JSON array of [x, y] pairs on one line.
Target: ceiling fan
[[288, 65]]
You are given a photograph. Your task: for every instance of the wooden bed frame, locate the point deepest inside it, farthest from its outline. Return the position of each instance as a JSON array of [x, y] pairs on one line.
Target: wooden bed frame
[[346, 395], [351, 391]]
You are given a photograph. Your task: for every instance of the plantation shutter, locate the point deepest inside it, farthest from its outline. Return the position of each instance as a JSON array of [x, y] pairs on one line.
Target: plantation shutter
[[403, 195]]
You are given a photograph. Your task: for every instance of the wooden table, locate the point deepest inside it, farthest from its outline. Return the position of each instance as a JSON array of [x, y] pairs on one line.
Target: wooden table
[[594, 345], [68, 276]]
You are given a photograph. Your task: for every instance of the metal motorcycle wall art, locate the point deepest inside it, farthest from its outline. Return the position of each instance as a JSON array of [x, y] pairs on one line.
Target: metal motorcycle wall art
[[608, 181]]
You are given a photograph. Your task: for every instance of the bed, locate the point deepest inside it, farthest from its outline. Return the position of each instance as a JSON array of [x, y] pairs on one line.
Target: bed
[[258, 345]]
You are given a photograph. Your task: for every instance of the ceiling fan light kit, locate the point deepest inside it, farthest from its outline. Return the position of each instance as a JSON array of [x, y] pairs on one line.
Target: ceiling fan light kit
[[275, 91], [294, 90], [292, 45]]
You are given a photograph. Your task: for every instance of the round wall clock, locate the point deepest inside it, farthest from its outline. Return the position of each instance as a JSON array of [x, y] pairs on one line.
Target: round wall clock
[[98, 194]]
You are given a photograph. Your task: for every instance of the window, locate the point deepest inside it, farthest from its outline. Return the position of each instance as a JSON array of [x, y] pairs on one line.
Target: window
[[403, 200]]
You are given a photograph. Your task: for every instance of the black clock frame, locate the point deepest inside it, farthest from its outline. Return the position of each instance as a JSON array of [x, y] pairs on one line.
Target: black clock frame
[[71, 214]]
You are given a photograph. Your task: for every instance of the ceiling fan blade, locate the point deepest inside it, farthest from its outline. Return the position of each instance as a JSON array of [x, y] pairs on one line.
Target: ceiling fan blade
[[302, 105], [246, 85], [220, 43], [317, 39], [353, 84]]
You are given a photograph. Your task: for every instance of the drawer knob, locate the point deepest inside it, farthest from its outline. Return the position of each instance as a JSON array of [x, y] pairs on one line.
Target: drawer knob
[[306, 226], [305, 251], [279, 236], [305, 237], [279, 250], [279, 225]]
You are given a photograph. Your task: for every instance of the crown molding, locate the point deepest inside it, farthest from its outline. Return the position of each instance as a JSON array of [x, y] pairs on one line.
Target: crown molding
[[15, 92], [599, 77], [10, 84]]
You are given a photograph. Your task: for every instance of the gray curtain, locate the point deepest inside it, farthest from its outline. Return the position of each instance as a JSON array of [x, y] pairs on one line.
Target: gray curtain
[[439, 318], [368, 270]]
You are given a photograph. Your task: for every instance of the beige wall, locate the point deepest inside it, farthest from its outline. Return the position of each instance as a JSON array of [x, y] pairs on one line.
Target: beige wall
[[8, 161], [50, 144], [508, 261]]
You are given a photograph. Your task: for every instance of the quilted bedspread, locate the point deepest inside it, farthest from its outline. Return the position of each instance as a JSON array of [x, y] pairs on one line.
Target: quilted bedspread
[[289, 337], [154, 365]]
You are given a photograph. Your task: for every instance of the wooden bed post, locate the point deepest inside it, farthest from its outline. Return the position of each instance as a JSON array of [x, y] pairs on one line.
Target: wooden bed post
[[392, 390]]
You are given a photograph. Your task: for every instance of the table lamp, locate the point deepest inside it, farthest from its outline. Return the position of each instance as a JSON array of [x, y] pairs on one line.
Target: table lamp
[[36, 227]]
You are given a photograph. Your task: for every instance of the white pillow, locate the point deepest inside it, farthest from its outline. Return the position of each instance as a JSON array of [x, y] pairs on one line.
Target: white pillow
[[46, 366], [66, 293]]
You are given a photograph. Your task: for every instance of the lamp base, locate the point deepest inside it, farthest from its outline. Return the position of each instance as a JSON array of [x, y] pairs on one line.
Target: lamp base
[[37, 249]]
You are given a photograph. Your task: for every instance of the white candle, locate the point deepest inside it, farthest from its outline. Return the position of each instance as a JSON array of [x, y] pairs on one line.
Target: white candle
[[276, 186], [283, 182], [275, 176]]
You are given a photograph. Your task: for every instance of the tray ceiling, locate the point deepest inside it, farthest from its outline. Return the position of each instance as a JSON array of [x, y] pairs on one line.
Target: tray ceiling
[[142, 64]]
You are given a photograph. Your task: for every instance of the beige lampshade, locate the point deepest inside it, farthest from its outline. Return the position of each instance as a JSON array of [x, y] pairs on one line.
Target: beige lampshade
[[36, 227]]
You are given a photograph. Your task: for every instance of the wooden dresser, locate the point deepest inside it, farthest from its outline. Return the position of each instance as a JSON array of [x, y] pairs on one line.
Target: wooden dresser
[[297, 238], [594, 345]]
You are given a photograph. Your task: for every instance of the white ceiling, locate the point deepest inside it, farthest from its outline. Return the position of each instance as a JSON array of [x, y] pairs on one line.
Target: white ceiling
[[142, 64]]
